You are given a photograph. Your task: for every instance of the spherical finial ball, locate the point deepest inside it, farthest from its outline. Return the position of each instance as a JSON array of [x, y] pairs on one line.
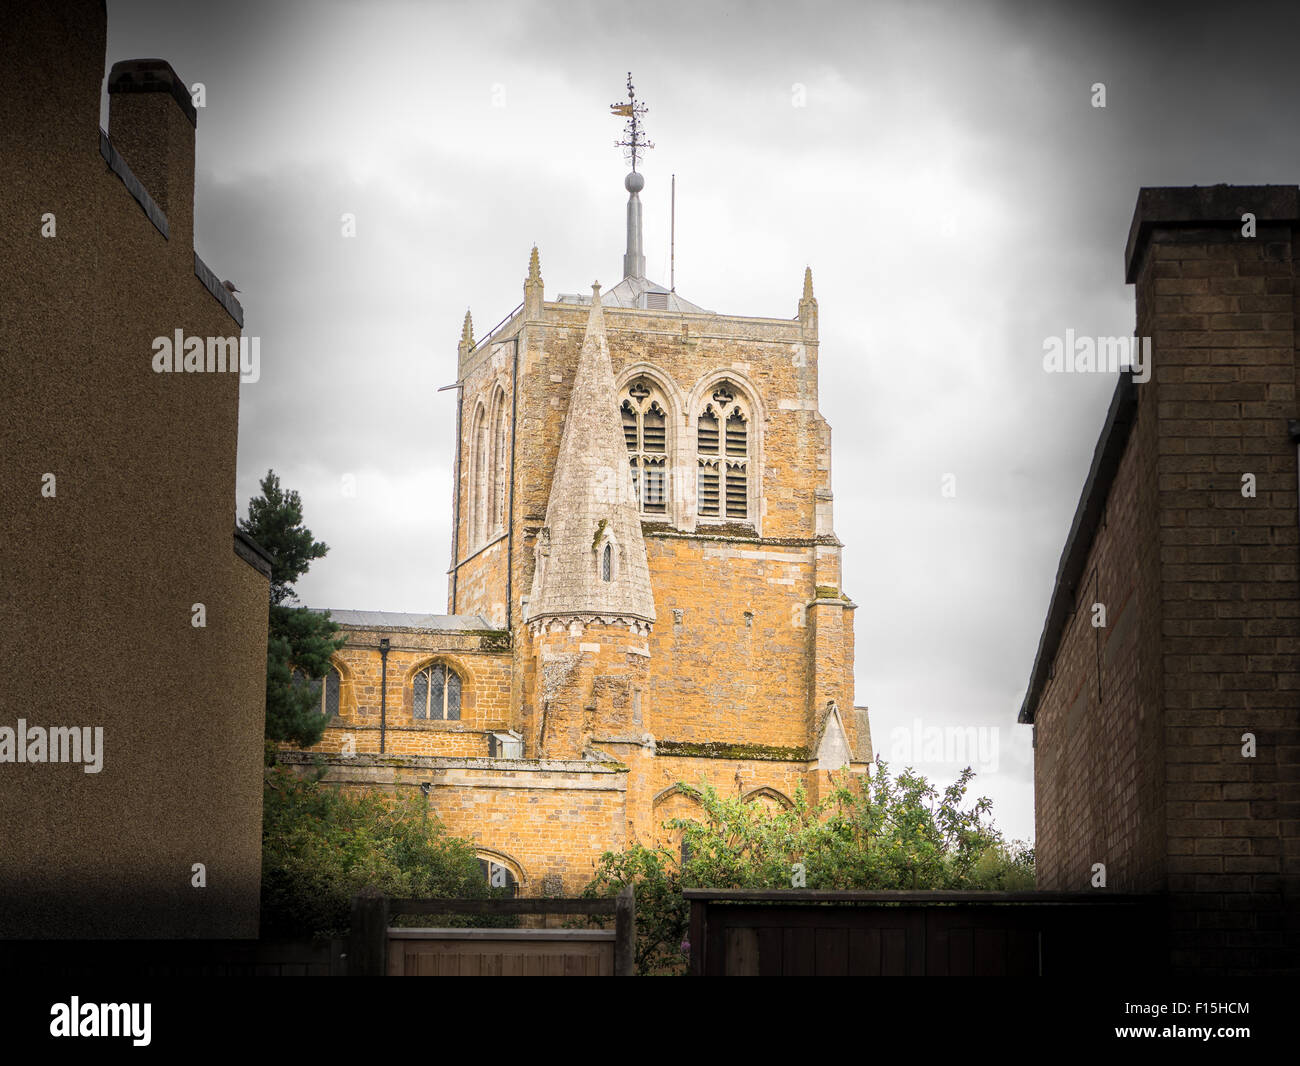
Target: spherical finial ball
[[634, 182]]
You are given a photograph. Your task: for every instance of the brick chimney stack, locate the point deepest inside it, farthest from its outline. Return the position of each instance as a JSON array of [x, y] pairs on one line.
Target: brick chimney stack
[[151, 122]]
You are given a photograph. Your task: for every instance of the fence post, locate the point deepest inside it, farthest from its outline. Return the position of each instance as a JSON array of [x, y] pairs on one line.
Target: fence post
[[625, 933], [696, 936], [368, 938]]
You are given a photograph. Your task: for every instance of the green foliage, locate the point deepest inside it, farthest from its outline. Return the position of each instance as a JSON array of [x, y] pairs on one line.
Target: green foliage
[[305, 639], [662, 912], [297, 637], [320, 846], [275, 522], [1008, 866], [875, 832]]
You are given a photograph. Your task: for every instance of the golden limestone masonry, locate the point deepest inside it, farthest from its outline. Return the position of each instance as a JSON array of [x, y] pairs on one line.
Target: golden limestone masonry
[[644, 586]]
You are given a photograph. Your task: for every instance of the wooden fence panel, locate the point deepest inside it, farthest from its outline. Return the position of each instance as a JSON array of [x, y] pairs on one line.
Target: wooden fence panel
[[796, 933], [498, 952], [376, 949]]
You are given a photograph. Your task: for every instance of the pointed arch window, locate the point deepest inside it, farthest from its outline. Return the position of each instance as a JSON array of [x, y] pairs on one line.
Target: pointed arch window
[[607, 563], [329, 688], [437, 694], [498, 875], [499, 471], [478, 475], [723, 449], [644, 411]]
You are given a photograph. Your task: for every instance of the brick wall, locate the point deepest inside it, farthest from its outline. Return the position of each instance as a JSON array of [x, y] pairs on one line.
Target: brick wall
[[543, 819], [101, 578], [1150, 771], [1099, 769], [1219, 308]]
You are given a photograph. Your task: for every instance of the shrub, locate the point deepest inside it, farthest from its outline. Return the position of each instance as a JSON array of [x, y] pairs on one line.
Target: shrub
[[320, 846], [874, 832]]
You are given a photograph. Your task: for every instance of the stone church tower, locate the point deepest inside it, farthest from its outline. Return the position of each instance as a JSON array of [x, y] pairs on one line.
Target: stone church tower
[[644, 590], [645, 503]]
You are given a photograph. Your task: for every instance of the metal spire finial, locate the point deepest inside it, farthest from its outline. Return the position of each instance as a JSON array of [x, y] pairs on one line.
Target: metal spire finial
[[634, 142]]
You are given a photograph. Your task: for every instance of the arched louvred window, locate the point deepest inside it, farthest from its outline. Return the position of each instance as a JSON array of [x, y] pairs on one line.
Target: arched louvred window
[[722, 444], [644, 412], [607, 563], [437, 694]]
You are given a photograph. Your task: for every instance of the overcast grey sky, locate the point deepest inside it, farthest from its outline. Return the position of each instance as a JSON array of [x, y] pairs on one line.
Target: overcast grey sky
[[956, 194]]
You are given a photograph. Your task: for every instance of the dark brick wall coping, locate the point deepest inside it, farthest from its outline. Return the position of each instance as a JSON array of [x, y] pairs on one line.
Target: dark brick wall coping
[[1204, 207], [253, 553], [152, 76], [155, 215], [1087, 516], [214, 286], [118, 166]]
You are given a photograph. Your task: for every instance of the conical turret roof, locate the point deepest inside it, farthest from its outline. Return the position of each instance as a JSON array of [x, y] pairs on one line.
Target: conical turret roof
[[591, 558]]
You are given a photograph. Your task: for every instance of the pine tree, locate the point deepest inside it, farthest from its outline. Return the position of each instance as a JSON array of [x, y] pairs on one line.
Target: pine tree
[[299, 639]]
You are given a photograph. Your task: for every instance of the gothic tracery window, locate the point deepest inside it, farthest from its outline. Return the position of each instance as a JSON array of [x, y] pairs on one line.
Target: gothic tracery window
[[645, 431], [437, 694], [722, 445]]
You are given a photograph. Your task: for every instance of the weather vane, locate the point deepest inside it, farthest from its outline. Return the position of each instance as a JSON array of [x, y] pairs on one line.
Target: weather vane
[[634, 142]]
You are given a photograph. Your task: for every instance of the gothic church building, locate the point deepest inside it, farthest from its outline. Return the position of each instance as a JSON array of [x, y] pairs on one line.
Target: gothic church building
[[644, 592]]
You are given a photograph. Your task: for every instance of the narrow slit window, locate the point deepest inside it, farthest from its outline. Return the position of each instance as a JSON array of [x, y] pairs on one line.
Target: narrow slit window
[[607, 563], [499, 465]]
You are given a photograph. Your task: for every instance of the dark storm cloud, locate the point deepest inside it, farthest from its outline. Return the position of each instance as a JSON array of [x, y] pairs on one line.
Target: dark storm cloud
[[957, 196]]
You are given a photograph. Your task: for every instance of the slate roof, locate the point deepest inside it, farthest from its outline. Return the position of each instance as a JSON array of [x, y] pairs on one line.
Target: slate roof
[[402, 620], [628, 294]]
